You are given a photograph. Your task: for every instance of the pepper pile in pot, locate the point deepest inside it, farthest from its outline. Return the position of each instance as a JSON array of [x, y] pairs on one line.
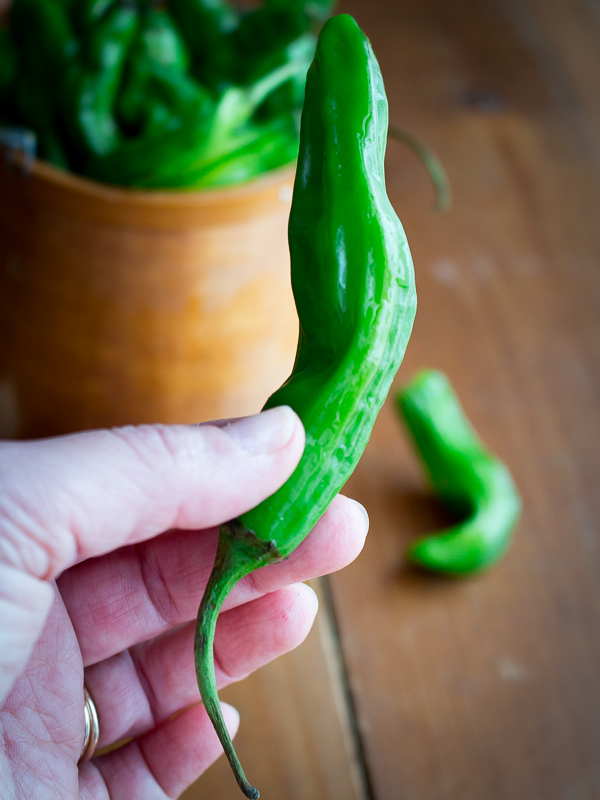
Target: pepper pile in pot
[[182, 94]]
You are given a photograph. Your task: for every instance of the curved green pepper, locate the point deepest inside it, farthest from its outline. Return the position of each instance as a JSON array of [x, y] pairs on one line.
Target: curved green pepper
[[354, 289], [469, 480]]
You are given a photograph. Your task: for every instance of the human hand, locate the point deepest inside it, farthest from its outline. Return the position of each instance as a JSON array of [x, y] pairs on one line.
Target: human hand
[[107, 539]]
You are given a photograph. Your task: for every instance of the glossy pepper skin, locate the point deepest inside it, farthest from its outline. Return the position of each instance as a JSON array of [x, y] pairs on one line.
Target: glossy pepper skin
[[353, 284], [470, 481]]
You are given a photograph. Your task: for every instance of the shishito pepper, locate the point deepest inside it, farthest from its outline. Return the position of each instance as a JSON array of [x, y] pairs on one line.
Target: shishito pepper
[[183, 158], [353, 284], [9, 65], [206, 25], [91, 84], [157, 95], [470, 481], [43, 36]]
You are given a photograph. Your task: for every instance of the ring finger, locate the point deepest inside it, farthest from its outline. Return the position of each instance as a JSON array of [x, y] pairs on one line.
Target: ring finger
[[139, 688]]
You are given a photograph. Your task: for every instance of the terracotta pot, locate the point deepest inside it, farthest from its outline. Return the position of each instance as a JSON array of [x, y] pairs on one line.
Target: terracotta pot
[[120, 306]]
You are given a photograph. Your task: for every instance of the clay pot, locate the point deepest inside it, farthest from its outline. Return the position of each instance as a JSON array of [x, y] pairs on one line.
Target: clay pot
[[121, 307]]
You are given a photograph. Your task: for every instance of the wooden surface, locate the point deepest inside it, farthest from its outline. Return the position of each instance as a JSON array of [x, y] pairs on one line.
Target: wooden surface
[[487, 688]]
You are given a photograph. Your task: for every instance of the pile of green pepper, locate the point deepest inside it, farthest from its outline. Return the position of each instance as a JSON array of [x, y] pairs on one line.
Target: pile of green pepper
[[177, 94]]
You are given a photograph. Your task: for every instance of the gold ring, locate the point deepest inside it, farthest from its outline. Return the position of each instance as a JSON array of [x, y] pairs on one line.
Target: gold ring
[[92, 728]]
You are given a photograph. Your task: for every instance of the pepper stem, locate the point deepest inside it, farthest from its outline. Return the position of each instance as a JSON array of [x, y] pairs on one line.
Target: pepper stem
[[239, 552]]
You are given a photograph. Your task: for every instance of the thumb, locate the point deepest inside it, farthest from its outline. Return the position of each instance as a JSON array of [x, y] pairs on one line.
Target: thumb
[[72, 497], [24, 605]]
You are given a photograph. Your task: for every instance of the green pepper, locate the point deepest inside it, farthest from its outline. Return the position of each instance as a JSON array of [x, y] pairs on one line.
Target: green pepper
[[157, 94], [9, 66], [42, 34], [354, 289], [263, 33], [161, 42], [470, 481], [181, 158], [91, 83], [86, 14], [317, 10], [206, 26], [291, 96], [31, 102], [253, 152]]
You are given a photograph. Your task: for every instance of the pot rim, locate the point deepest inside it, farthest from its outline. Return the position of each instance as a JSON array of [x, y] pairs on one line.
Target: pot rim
[[43, 183], [45, 171]]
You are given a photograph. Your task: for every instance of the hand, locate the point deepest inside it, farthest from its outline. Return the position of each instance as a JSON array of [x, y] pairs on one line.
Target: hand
[[107, 539]]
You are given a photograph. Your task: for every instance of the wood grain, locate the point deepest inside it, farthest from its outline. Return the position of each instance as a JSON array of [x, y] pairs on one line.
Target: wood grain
[[488, 687]]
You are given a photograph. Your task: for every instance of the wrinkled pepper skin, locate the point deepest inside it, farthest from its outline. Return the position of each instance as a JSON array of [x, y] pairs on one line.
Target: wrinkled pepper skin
[[469, 480], [353, 284]]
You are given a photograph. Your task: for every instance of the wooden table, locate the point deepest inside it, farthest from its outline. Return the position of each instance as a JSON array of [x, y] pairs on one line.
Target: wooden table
[[417, 688]]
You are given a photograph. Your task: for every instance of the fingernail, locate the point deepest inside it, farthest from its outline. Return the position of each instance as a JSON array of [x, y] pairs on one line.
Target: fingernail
[[363, 511], [231, 716], [266, 432]]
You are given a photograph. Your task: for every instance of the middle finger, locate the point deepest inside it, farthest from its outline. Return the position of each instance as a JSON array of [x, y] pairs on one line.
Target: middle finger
[[138, 689], [139, 592]]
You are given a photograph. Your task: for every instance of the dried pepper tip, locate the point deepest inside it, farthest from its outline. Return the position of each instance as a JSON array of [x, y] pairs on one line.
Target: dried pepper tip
[[472, 482]]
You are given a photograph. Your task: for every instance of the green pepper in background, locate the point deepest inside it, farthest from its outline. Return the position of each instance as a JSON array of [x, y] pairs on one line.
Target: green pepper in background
[[183, 158], [157, 94], [265, 148], [274, 34], [353, 284], [46, 43], [9, 66], [86, 14], [43, 32], [265, 32], [91, 83], [206, 25], [104, 83], [160, 42], [470, 481]]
